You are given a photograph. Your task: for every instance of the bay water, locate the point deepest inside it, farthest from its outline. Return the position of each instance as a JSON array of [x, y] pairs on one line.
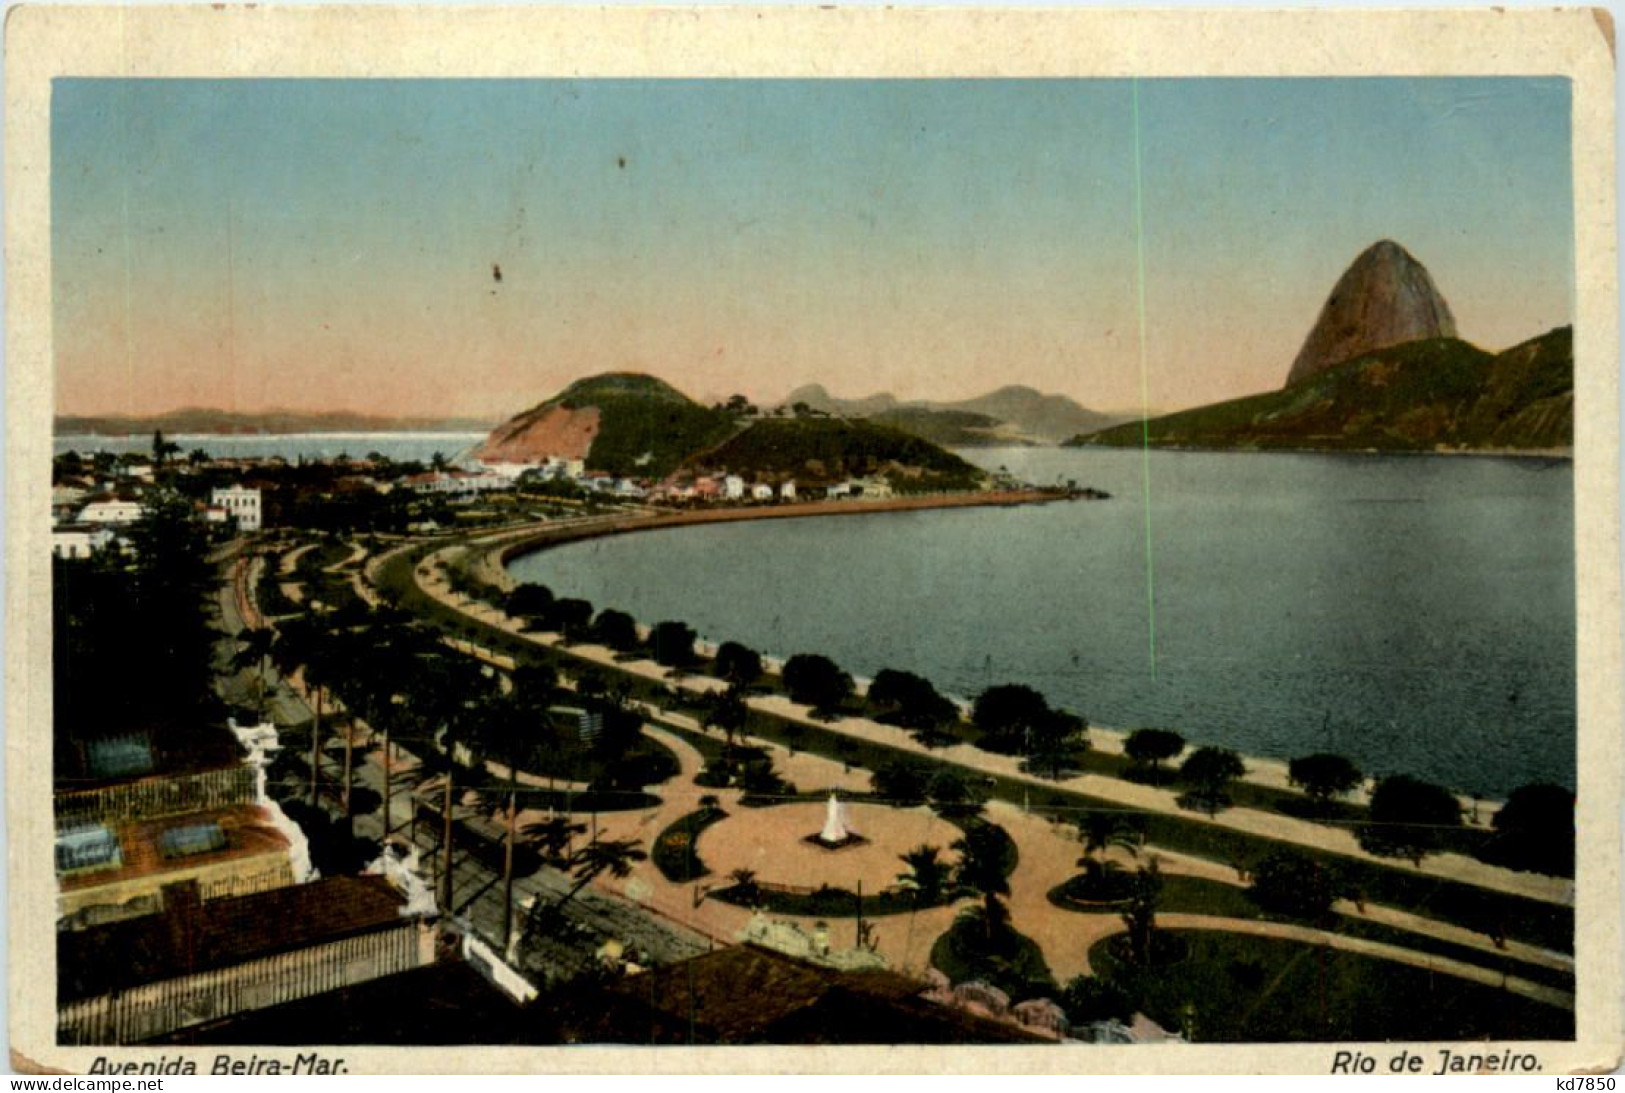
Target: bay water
[[1415, 613]]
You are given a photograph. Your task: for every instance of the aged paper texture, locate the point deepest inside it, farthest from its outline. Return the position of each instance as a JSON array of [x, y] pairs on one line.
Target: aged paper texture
[[1201, 651]]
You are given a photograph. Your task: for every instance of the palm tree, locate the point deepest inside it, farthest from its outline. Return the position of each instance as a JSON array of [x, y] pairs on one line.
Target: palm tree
[[612, 856], [1101, 832], [254, 651], [981, 871], [927, 875], [552, 838], [1141, 916], [303, 645], [745, 885]]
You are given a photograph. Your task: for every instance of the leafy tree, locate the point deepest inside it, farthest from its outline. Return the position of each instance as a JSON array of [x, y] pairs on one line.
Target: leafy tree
[[534, 684], [902, 784], [816, 681], [673, 644], [1324, 776], [738, 664], [1408, 818], [1208, 772], [1089, 999], [729, 713], [1289, 883], [927, 875], [1153, 747], [1535, 831], [573, 618], [1057, 742], [915, 702], [531, 601], [951, 795], [1007, 715], [616, 629], [758, 779]]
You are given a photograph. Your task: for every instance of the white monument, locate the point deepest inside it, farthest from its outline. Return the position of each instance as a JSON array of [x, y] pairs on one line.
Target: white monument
[[835, 831]]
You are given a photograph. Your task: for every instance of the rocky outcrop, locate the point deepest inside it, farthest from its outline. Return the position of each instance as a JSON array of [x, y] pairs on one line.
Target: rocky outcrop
[[549, 431], [1385, 298]]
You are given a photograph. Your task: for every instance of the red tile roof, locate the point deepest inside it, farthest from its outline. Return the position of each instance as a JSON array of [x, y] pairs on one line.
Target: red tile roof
[[194, 937]]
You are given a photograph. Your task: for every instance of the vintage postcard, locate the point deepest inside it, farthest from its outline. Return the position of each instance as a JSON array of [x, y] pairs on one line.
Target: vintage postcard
[[825, 540]]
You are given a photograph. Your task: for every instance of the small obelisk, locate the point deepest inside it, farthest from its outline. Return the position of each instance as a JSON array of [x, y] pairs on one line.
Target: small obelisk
[[834, 832]]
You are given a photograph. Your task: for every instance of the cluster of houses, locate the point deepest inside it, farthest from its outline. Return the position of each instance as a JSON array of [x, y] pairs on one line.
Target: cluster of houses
[[85, 520], [680, 488], [93, 511]]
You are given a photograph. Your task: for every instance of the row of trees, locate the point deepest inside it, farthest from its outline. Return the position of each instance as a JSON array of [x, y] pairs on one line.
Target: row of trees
[[1407, 817]]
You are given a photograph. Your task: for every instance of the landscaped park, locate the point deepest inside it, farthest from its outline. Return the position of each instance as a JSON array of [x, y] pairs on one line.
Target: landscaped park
[[1225, 899]]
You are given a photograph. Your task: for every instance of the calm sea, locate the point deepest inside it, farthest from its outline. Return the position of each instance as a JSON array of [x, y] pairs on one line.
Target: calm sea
[[1415, 613], [290, 446]]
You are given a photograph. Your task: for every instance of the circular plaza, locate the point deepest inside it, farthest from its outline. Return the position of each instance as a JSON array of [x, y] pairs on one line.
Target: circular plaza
[[779, 844]]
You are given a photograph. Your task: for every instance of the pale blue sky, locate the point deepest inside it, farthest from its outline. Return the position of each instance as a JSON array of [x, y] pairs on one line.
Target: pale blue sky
[[932, 238]]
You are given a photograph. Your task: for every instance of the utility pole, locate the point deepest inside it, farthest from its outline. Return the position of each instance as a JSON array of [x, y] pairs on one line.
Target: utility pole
[[388, 802], [445, 841], [507, 872], [315, 743], [349, 766]]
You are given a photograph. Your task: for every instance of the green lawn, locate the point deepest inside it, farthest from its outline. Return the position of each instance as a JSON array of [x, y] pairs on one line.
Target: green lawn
[[1236, 988], [1200, 896]]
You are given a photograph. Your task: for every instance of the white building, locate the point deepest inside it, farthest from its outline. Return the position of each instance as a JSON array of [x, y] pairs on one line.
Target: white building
[[761, 492], [787, 491], [510, 472], [874, 487], [78, 542], [733, 487], [241, 502], [110, 512]]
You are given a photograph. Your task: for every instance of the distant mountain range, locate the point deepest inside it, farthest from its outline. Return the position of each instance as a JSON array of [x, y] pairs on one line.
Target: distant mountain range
[[228, 423], [1010, 415], [624, 423], [1382, 369]]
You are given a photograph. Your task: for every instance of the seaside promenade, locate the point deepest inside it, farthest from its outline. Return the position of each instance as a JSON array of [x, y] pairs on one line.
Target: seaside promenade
[[1046, 850], [484, 557], [1047, 847]]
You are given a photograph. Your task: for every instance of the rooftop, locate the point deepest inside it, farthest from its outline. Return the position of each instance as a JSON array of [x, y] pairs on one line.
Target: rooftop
[[748, 995], [194, 937], [184, 842]]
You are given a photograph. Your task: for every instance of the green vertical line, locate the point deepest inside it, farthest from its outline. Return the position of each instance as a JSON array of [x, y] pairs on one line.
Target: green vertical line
[[1145, 385]]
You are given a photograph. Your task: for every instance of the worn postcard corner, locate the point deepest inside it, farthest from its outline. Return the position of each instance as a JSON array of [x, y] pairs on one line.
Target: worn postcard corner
[[812, 540]]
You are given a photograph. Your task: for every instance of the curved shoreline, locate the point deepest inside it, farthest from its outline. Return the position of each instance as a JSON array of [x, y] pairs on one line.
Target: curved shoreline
[[543, 537], [493, 558]]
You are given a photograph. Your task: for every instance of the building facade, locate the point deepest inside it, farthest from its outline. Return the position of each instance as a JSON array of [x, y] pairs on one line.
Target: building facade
[[242, 503]]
